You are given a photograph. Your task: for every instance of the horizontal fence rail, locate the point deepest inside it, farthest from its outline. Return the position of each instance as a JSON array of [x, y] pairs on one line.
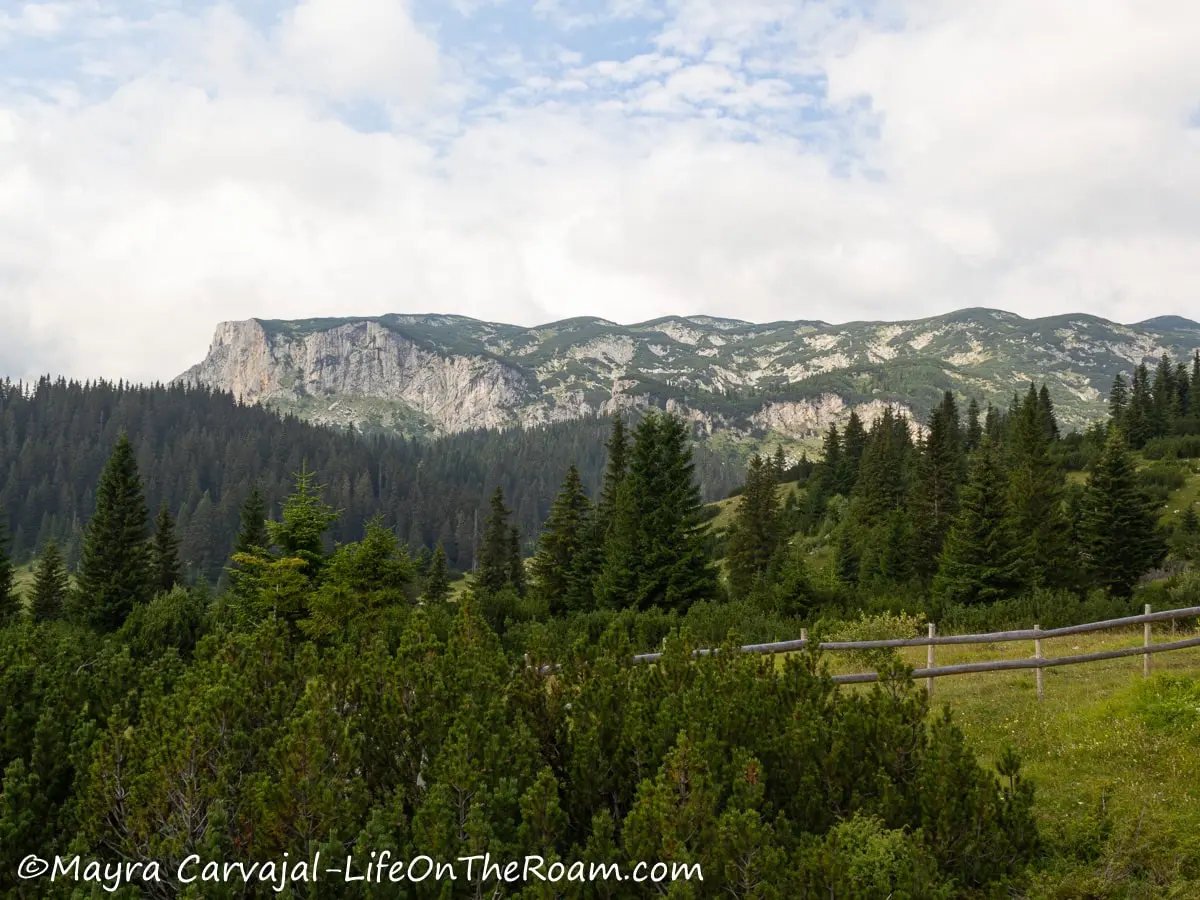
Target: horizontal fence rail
[[1038, 662]]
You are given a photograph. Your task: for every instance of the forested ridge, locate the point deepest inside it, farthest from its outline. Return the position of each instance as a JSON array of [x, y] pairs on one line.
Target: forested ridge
[[329, 697], [201, 452]]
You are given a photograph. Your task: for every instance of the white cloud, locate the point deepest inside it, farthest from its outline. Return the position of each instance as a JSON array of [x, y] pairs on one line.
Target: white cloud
[[354, 49], [968, 153]]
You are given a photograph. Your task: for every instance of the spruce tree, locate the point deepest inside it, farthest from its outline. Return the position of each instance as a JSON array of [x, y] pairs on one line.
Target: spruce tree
[[1035, 497], [1118, 400], [1046, 416], [656, 553], [854, 441], [1118, 528], [563, 535], [437, 581], [882, 474], [50, 584], [974, 432], [979, 562], [1161, 393], [10, 606], [615, 470], [941, 468], [993, 426], [494, 571], [779, 463], [114, 570], [516, 562], [1139, 412], [300, 533], [253, 537], [164, 552], [754, 536]]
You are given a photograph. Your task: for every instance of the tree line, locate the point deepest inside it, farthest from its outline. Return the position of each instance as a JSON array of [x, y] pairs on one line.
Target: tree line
[[201, 452]]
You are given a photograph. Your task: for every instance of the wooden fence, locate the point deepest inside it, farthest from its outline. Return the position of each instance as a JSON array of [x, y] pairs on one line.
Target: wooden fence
[[1038, 661]]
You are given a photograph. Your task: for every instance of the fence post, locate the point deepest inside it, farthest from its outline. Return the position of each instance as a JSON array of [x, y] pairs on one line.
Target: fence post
[[804, 637], [1037, 653], [929, 661], [1146, 644]]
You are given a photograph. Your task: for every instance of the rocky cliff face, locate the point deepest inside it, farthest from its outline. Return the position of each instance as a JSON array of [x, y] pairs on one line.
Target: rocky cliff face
[[783, 379], [362, 360]]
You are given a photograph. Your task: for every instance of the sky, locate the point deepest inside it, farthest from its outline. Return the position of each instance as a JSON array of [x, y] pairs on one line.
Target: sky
[[169, 164]]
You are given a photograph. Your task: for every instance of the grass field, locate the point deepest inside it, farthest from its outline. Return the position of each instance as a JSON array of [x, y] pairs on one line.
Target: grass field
[[1114, 758]]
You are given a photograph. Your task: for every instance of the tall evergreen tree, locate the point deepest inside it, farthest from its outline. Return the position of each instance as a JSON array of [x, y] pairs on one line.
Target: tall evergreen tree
[[941, 469], [516, 562], [754, 536], [300, 533], [50, 584], [979, 562], [252, 536], [854, 442], [495, 552], [883, 472], [164, 551], [657, 554], [114, 570], [617, 466], [974, 432], [1118, 527], [1035, 496], [437, 582], [10, 606], [1118, 400], [1138, 414], [993, 426], [1046, 416], [564, 534], [779, 463]]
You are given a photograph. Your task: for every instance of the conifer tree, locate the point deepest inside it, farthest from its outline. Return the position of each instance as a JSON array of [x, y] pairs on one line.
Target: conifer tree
[[300, 533], [1035, 497], [1118, 400], [164, 552], [974, 432], [941, 468], [253, 537], [883, 471], [993, 426], [563, 536], [615, 470], [979, 562], [516, 562], [754, 537], [854, 442], [50, 584], [1136, 424], [495, 571], [437, 582], [656, 554], [1118, 527], [114, 570], [10, 606], [1046, 416], [779, 463], [1161, 394]]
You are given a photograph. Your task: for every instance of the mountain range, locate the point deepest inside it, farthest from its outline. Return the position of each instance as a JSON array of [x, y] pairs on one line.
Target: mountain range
[[778, 381]]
